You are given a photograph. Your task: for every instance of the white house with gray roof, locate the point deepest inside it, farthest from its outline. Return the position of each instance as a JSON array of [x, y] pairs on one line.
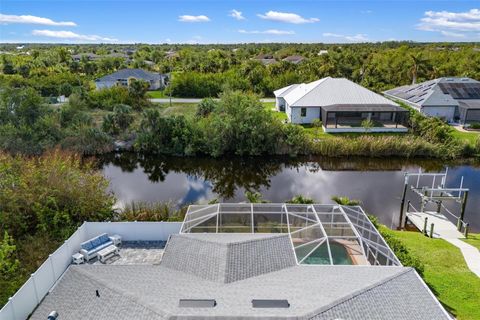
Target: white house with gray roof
[[451, 99], [121, 77], [341, 105], [233, 261]]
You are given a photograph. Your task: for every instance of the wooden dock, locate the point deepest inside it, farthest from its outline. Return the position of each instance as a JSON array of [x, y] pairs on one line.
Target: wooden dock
[[442, 227]]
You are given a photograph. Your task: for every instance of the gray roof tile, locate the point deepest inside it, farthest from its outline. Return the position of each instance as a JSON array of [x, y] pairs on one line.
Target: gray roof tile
[[131, 73]]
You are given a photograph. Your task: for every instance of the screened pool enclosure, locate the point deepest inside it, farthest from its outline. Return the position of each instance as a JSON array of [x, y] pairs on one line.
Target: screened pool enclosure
[[320, 234]]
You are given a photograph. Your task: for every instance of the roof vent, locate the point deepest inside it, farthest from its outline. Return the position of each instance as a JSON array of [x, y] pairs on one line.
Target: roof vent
[[197, 303], [276, 303], [53, 315]]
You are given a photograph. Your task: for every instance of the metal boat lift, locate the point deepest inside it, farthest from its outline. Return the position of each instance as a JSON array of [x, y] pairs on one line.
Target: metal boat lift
[[434, 223]]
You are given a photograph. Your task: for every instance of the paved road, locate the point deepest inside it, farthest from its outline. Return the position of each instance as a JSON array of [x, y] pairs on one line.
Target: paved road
[[194, 100]]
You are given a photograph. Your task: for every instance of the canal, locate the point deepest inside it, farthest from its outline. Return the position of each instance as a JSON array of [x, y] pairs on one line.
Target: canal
[[377, 183]]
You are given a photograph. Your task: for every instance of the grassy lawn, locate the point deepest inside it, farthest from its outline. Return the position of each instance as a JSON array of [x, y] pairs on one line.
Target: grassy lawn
[[471, 137], [270, 106], [176, 109], [157, 94], [446, 274], [474, 240]]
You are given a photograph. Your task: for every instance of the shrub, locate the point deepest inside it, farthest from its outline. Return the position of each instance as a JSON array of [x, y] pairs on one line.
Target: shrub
[[108, 98], [475, 125], [56, 192], [118, 121], [367, 125], [87, 140], [205, 107], [169, 135], [407, 258]]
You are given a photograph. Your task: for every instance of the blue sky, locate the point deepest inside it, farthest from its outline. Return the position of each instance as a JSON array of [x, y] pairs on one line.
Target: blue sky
[[230, 21]]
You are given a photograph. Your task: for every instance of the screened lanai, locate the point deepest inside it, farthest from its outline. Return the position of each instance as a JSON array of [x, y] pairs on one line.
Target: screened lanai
[[320, 234]]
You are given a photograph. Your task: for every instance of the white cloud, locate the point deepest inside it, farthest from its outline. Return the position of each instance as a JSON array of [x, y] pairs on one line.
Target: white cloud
[[286, 17], [27, 19], [366, 11], [69, 35], [359, 37], [444, 20], [236, 14], [189, 18], [452, 34], [269, 31]]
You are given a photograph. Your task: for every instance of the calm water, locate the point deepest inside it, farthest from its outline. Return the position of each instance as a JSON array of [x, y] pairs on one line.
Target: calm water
[[378, 183]]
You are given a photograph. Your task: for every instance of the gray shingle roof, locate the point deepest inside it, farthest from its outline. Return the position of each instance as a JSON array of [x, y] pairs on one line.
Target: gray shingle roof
[[318, 292], [390, 300], [155, 291], [228, 258], [131, 73]]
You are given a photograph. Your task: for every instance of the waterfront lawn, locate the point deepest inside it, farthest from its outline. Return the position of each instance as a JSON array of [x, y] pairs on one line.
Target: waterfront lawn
[[446, 273], [157, 94], [474, 240], [471, 137]]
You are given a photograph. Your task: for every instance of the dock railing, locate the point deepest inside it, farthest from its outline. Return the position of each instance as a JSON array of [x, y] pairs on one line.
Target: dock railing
[[26, 299]]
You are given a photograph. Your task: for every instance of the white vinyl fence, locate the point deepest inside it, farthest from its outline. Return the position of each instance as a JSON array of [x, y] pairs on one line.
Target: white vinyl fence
[[26, 299]]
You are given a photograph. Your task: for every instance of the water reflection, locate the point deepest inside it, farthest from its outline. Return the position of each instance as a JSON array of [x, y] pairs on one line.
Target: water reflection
[[376, 182]]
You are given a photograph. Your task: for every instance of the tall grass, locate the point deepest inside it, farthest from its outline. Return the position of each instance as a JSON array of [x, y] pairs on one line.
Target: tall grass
[[385, 146], [152, 211]]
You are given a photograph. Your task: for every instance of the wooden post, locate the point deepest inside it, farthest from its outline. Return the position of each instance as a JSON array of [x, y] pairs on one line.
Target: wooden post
[[425, 223], [464, 205], [402, 205], [439, 206], [465, 232], [431, 230]]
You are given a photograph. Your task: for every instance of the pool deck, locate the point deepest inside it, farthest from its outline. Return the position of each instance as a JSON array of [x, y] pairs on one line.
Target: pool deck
[[136, 253]]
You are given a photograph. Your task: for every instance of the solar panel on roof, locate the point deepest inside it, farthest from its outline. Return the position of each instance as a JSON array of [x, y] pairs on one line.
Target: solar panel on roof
[[461, 90]]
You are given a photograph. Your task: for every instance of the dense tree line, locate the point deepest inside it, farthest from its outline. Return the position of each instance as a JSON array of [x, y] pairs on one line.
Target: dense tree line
[[237, 124], [207, 70]]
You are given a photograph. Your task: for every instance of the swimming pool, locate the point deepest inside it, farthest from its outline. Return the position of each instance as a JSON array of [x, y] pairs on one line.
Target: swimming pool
[[320, 255]]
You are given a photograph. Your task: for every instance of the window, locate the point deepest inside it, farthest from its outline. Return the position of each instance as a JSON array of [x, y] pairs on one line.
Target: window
[[303, 112]]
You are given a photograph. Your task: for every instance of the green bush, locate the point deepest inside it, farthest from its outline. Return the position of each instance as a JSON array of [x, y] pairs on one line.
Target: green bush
[[87, 140], [163, 135], [407, 258], [475, 125], [118, 121], [106, 99], [55, 192], [205, 107]]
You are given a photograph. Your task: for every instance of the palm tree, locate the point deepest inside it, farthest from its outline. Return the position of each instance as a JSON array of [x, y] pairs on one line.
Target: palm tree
[[418, 64], [254, 197], [299, 199], [345, 201]]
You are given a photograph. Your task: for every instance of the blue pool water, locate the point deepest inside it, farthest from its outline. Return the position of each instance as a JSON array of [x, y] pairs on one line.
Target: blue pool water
[[320, 255]]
